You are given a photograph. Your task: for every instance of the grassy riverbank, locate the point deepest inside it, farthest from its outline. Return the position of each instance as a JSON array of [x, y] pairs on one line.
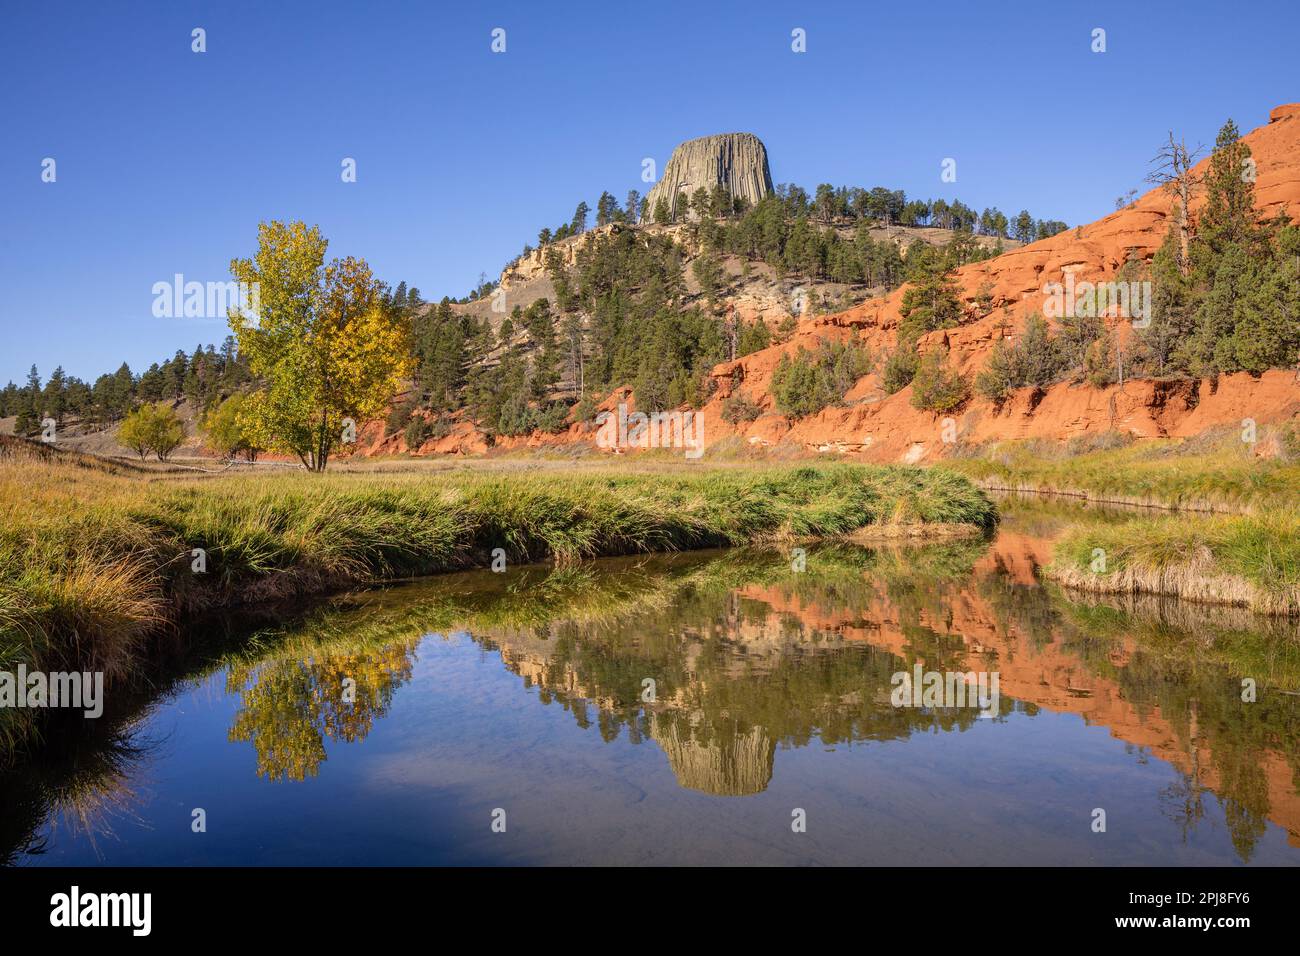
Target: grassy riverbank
[[1233, 540], [1250, 561], [1213, 472], [93, 562]]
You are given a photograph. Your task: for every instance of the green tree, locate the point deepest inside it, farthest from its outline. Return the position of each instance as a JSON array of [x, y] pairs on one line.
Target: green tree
[[662, 214], [999, 375], [1162, 344], [324, 348], [152, 428], [166, 432], [225, 433], [579, 222], [29, 405], [1228, 217], [1023, 227], [930, 303]]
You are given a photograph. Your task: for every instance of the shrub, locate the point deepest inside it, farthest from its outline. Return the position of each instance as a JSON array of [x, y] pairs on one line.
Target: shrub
[[810, 381], [1108, 440], [585, 410], [753, 337], [418, 431], [738, 408], [1290, 439], [900, 367], [553, 418], [1038, 359], [399, 416], [998, 377], [1037, 356], [936, 387], [1098, 368]]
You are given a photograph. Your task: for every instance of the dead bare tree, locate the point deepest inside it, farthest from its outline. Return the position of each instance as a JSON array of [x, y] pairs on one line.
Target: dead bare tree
[[1172, 169]]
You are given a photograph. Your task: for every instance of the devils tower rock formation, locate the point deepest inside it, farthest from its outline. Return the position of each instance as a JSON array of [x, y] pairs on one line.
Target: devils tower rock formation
[[736, 161]]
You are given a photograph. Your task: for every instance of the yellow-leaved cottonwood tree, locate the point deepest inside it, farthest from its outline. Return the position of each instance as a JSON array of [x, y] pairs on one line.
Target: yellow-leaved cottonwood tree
[[322, 346]]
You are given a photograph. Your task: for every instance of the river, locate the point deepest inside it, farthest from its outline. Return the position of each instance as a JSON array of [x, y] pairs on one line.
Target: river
[[711, 708]]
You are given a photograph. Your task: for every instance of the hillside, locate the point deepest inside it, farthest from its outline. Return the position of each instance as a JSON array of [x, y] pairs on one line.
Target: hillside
[[997, 295], [887, 427], [703, 305], [755, 291]]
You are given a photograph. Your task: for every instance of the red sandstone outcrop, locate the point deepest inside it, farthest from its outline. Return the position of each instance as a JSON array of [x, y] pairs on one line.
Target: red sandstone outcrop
[[887, 428]]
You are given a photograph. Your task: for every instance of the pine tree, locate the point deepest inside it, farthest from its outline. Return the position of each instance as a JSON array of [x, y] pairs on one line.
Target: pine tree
[[1229, 214], [579, 223], [931, 303], [30, 411], [999, 375], [606, 209], [53, 397], [1162, 344]]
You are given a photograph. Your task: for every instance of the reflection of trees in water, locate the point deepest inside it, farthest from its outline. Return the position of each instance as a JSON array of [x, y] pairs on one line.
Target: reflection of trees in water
[[1184, 801], [87, 775], [735, 678], [290, 707], [1184, 663]]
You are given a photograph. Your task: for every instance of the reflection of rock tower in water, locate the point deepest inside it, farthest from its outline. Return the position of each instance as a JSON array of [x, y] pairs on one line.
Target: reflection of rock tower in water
[[728, 765]]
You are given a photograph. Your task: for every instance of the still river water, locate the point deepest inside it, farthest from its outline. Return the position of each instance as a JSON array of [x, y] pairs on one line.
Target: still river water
[[396, 726]]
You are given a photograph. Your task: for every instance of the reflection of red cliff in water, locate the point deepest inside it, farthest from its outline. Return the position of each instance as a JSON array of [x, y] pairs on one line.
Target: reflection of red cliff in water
[[1048, 675]]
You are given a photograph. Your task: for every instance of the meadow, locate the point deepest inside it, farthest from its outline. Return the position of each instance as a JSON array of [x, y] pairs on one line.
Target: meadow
[[97, 559]]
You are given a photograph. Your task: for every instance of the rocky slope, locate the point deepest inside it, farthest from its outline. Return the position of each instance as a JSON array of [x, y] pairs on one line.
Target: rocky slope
[[876, 426], [887, 427]]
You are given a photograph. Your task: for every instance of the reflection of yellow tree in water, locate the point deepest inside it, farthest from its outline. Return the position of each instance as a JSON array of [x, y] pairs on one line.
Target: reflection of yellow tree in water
[[290, 707], [736, 678]]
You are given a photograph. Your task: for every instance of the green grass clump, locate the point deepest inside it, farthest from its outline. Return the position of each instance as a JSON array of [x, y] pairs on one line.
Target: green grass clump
[[1245, 560]]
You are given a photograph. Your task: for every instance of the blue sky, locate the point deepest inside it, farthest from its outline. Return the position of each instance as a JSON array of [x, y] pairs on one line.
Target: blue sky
[[168, 159]]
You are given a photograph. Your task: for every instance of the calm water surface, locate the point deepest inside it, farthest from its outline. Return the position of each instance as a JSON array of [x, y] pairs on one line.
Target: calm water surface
[[392, 727]]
